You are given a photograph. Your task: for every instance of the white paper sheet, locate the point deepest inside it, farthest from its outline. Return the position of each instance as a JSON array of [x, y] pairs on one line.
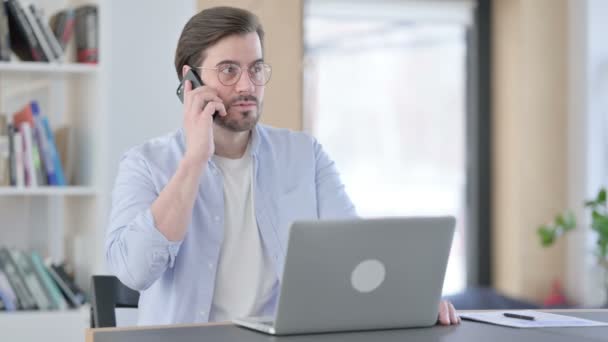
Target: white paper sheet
[[541, 319]]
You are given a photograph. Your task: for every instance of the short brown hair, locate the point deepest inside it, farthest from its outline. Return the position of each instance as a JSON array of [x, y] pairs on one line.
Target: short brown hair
[[207, 28]]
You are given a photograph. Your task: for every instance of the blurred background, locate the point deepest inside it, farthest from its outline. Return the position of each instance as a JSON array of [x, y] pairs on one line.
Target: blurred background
[[494, 111]]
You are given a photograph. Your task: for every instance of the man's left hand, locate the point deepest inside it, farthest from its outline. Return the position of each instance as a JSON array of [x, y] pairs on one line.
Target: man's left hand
[[447, 314]]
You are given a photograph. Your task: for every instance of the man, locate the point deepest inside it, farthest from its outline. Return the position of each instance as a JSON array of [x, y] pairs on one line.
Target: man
[[200, 216]]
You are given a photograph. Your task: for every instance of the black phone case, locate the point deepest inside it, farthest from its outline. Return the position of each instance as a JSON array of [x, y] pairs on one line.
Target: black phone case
[[196, 82], [194, 78]]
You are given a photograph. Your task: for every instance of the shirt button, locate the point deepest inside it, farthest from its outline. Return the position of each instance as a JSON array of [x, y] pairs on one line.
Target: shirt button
[[217, 219], [210, 266], [203, 313]]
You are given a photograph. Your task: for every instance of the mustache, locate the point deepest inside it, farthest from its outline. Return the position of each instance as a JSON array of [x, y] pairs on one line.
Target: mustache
[[250, 98]]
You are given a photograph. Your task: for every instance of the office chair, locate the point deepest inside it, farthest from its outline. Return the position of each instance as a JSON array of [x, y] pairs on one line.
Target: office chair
[[108, 293]]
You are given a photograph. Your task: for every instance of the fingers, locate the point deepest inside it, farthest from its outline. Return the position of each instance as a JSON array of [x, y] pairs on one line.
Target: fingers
[[201, 94], [213, 107], [221, 109], [444, 315], [200, 103], [200, 100], [187, 89], [454, 319], [447, 314]]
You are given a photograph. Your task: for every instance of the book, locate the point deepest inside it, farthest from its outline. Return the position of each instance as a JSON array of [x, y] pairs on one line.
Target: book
[[47, 167], [5, 40], [24, 297], [11, 155], [29, 166], [24, 114], [68, 26], [48, 34], [55, 159], [59, 301], [42, 142], [37, 30], [18, 164], [73, 293], [9, 298], [62, 25], [56, 22], [5, 167], [35, 173], [64, 139], [23, 41], [33, 283]]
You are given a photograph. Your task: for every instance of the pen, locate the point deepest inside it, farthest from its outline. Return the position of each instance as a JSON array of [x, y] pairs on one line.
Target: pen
[[513, 315]]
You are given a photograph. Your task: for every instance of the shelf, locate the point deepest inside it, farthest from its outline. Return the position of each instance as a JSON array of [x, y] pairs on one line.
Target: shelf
[[50, 68], [48, 191], [65, 326]]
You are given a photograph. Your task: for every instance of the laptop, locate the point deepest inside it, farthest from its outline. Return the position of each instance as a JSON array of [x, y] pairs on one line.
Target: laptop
[[360, 274]]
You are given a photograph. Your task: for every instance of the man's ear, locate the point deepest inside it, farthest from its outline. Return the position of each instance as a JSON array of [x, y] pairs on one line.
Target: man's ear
[[185, 69]]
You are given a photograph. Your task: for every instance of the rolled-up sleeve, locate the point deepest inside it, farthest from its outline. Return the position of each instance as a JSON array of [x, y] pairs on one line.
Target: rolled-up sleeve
[[136, 251], [332, 199]]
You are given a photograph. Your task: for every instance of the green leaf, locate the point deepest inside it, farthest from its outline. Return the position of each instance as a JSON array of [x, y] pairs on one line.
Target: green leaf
[[562, 223], [601, 197], [559, 220], [569, 220], [590, 204], [603, 247], [599, 223], [595, 215], [547, 235]]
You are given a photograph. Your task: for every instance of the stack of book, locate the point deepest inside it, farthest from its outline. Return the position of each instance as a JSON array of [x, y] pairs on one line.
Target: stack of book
[[29, 283], [25, 31], [29, 155]]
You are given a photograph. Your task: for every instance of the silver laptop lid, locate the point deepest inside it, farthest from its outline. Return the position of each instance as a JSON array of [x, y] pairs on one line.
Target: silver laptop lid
[[363, 274]]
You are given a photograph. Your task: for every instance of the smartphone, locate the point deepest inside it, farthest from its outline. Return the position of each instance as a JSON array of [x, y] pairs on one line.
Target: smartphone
[[193, 77]]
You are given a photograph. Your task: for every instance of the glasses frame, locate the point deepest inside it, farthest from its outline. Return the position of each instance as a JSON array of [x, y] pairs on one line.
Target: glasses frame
[[217, 69]]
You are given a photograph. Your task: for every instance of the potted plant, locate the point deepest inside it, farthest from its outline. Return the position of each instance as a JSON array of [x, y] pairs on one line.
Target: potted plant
[[566, 222]]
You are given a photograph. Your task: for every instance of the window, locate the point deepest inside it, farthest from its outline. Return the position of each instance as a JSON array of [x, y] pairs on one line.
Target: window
[[385, 93]]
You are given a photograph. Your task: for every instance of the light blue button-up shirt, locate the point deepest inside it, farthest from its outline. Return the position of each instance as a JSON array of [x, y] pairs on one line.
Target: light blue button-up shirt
[[294, 179]]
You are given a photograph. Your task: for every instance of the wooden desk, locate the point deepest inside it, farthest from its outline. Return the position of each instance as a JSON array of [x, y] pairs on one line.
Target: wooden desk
[[466, 331]]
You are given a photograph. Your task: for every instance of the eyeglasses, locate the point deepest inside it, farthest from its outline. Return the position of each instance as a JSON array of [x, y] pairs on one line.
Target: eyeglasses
[[229, 74]]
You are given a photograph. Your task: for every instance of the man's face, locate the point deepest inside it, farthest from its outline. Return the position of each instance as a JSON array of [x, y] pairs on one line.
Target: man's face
[[243, 100]]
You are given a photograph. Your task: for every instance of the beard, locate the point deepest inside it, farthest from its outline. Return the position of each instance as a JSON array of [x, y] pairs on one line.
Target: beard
[[240, 121]]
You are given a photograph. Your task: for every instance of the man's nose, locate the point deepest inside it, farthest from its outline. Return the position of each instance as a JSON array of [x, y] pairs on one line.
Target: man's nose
[[245, 84]]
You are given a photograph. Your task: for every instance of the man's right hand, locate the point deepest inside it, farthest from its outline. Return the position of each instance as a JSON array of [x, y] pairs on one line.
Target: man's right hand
[[199, 106], [172, 209]]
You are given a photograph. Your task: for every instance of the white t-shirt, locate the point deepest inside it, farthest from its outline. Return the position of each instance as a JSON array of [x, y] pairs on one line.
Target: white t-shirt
[[245, 275]]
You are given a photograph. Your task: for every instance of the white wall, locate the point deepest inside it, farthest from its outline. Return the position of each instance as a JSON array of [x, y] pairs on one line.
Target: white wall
[[140, 79]]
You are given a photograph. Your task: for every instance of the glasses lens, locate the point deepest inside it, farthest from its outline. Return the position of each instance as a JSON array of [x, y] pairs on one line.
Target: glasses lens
[[260, 73], [229, 74]]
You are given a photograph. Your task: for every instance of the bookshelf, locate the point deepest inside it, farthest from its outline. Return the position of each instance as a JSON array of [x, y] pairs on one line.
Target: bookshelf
[[127, 98], [48, 191], [60, 222], [45, 325], [66, 69]]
